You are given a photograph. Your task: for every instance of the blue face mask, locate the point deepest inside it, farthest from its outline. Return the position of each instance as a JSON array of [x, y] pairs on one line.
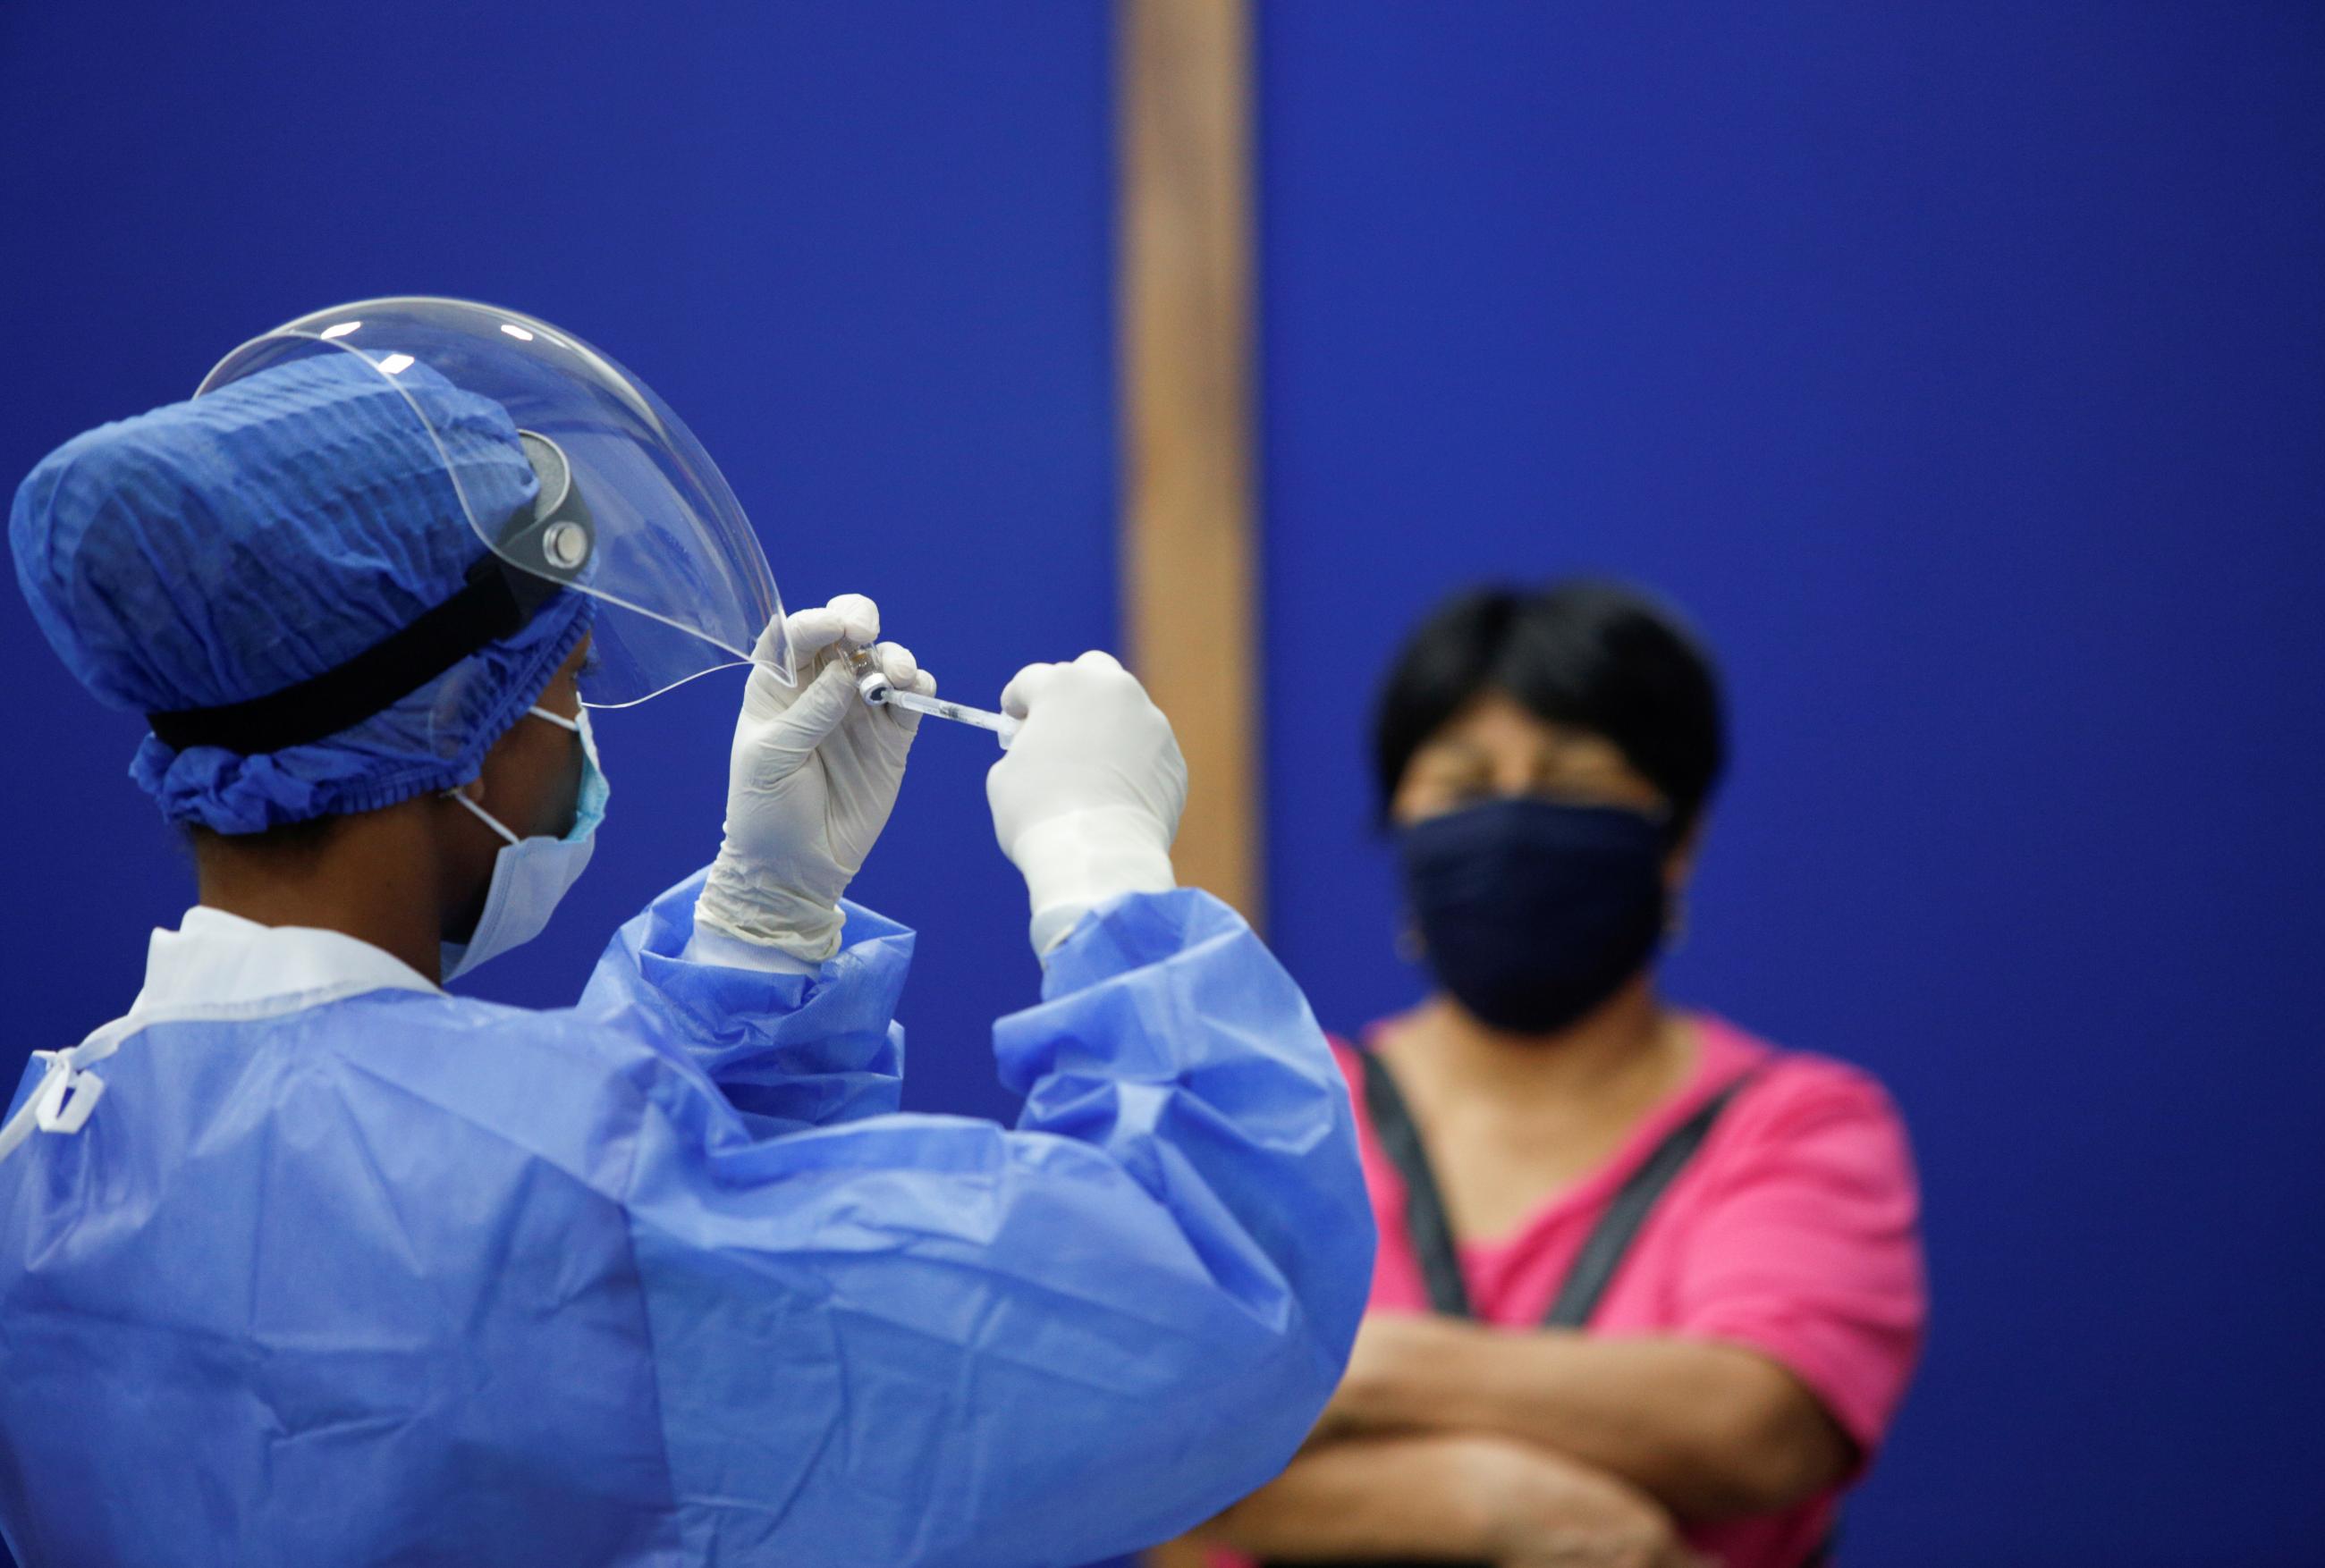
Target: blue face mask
[[531, 875], [1535, 911]]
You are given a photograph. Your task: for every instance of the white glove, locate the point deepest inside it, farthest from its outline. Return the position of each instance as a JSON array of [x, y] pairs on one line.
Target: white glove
[[812, 777], [1087, 800]]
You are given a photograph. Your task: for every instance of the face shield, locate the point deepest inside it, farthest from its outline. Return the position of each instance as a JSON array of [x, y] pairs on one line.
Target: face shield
[[632, 512]]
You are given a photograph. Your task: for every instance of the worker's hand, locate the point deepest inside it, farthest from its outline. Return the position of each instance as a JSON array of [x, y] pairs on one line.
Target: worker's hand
[[1087, 800], [812, 777]]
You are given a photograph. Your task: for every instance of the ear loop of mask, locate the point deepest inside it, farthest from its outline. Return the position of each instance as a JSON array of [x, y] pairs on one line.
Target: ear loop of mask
[[571, 726]]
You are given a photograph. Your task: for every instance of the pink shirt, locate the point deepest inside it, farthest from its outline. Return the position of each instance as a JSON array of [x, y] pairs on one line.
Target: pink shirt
[[1794, 1231]]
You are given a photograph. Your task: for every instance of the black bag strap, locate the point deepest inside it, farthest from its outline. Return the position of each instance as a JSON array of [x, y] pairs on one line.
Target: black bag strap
[[1603, 1252], [1424, 1208], [1610, 1239]]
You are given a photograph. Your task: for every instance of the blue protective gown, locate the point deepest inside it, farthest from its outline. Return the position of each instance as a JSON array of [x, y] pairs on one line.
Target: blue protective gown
[[664, 1278]]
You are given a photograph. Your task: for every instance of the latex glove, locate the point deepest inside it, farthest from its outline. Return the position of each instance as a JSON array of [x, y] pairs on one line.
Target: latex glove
[[1087, 802], [810, 781]]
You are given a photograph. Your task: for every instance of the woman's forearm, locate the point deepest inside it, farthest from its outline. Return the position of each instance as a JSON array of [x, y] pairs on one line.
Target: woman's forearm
[[1453, 1495], [1711, 1430]]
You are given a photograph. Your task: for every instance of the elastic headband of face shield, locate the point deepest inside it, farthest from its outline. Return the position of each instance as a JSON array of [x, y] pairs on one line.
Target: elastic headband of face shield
[[541, 551]]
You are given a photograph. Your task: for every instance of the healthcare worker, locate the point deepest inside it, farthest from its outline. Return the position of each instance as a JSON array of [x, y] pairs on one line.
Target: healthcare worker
[[304, 1260]]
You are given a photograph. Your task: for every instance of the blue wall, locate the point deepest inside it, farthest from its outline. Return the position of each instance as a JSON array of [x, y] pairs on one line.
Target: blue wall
[[1962, 367]]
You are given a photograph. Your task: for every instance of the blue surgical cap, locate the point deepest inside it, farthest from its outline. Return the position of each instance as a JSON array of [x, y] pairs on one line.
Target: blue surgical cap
[[220, 549]]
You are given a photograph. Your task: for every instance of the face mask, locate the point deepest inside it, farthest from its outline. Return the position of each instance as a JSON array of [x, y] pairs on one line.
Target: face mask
[[529, 875], [1534, 912]]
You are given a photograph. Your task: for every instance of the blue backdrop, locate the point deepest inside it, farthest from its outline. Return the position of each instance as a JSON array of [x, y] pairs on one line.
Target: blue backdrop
[[1962, 368]]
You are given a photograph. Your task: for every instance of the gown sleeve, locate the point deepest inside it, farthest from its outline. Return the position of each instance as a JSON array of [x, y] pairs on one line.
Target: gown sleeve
[[910, 1339], [788, 1050]]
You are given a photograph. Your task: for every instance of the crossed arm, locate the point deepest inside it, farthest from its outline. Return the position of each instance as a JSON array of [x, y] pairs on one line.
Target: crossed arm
[[1710, 1430], [1453, 1497], [1540, 1447]]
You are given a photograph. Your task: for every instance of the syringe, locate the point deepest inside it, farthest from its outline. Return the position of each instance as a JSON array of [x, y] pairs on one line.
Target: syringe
[[1001, 725], [873, 685]]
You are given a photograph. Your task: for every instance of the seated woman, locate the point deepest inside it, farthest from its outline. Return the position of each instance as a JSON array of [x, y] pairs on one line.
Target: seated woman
[[1648, 1287]]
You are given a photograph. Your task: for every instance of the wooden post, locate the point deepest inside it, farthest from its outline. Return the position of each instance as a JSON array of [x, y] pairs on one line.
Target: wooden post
[[1189, 552]]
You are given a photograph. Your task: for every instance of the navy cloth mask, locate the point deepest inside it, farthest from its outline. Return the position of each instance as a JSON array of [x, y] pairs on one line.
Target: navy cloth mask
[[1536, 911]]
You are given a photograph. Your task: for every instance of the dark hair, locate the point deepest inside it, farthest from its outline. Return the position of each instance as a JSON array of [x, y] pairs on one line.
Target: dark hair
[[1597, 656]]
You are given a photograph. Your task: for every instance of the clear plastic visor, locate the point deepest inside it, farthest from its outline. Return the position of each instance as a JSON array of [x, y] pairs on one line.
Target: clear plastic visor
[[681, 585]]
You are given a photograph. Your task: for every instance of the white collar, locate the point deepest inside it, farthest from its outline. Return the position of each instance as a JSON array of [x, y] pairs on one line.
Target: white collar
[[214, 965], [217, 960]]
